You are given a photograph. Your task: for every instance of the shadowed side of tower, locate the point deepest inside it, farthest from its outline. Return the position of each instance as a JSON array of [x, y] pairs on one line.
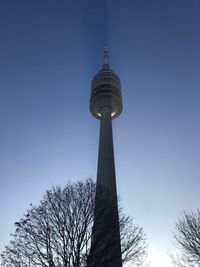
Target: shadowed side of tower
[[105, 105]]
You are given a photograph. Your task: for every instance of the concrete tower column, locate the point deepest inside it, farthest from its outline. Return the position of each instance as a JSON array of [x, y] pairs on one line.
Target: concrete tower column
[[105, 105], [106, 164]]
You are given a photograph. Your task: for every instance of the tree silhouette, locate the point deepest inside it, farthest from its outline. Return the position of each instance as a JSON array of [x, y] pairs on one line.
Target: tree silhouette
[[58, 231], [187, 240]]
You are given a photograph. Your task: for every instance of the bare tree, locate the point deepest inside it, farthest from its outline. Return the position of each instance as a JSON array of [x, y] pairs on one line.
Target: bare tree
[[58, 231], [187, 240]]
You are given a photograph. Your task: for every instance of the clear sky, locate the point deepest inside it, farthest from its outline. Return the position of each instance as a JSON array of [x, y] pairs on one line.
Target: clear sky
[[49, 52]]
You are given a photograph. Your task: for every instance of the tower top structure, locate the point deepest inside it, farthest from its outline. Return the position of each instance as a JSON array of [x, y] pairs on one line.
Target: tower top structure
[[106, 56], [106, 90]]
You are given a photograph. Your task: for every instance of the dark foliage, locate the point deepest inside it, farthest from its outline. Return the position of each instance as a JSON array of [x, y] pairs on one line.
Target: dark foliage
[[57, 232], [187, 239]]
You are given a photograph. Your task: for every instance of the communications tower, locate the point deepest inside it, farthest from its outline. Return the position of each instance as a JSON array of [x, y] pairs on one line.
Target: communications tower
[[106, 105]]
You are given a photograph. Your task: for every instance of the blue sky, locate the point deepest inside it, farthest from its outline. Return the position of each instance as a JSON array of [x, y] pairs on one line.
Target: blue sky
[[49, 52]]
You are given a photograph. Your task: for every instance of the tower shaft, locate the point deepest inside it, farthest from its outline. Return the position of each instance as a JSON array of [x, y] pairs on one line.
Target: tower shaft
[[106, 247], [106, 164]]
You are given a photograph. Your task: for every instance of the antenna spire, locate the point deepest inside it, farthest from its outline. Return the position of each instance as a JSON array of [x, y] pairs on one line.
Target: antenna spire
[[106, 56]]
